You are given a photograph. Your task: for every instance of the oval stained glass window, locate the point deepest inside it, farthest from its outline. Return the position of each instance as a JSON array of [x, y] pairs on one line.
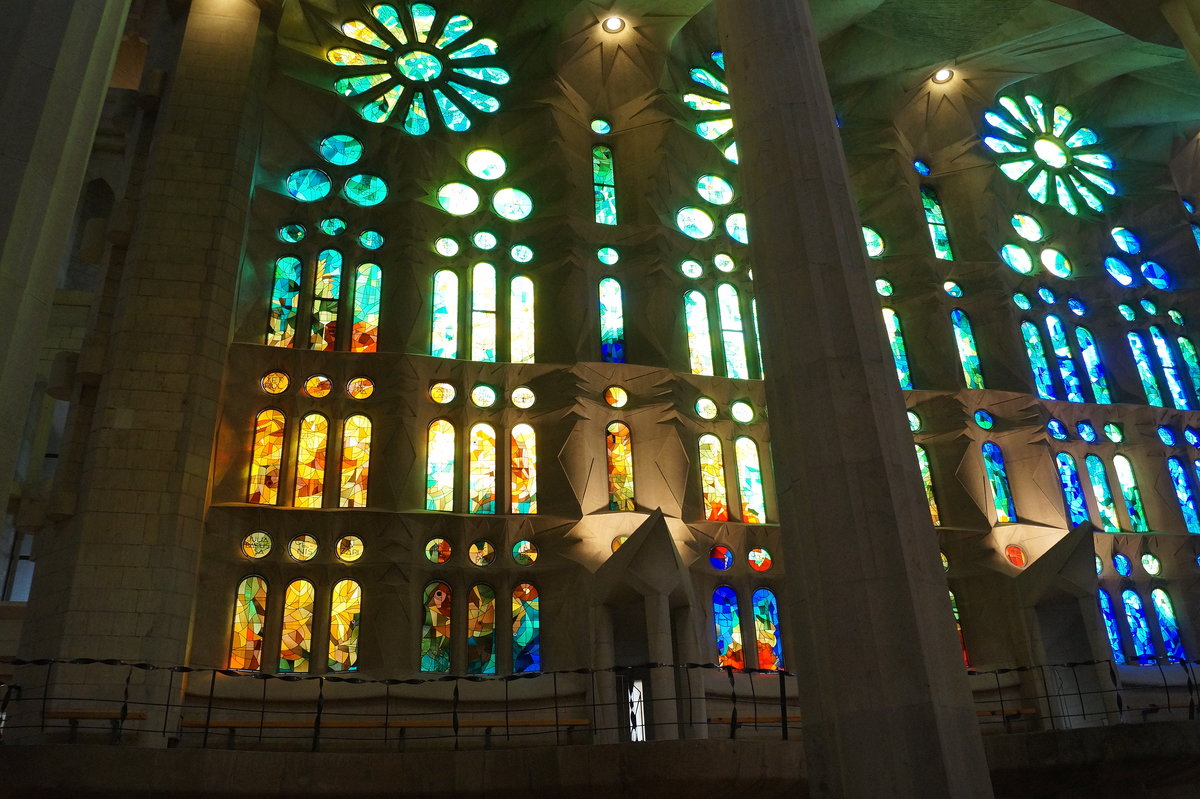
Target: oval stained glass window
[[371, 239], [601, 126], [1022, 301], [742, 412], [437, 550], [333, 226], [303, 548], [512, 204], [1119, 271], [706, 408], [484, 240], [1015, 555], [1056, 263], [1027, 227], [348, 548], [341, 149], [715, 189], [1017, 258], [483, 396], [318, 386], [694, 223], [884, 287], [482, 553], [1156, 276], [914, 422], [458, 199], [1122, 564], [360, 388], [691, 269], [759, 559], [735, 226], [446, 247], [292, 234], [521, 254], [486, 164], [523, 397], [873, 242], [607, 256], [721, 557], [365, 190], [1126, 241], [616, 396], [275, 382], [524, 553], [257, 544], [442, 393], [1151, 565], [308, 185]]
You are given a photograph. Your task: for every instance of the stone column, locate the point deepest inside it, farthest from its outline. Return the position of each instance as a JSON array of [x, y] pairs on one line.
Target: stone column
[[664, 716], [867, 623]]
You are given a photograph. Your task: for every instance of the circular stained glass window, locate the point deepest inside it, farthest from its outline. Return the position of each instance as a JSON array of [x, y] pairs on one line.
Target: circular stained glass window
[[458, 199], [1122, 564], [333, 226], [365, 190], [1057, 429], [724, 262], [884, 288], [721, 558], [1047, 295], [618, 541], [308, 185], [512, 204], [482, 553], [1126, 312], [446, 246], [1112, 431], [303, 548], [607, 256], [601, 126], [1056, 263], [419, 66], [521, 254], [691, 269], [1191, 436], [524, 553], [952, 288], [1015, 555], [257, 544], [1086, 432], [1017, 258], [1126, 241], [442, 393], [1077, 307], [360, 388], [1151, 565], [914, 422], [484, 240], [483, 396], [437, 550], [715, 189], [1156, 276], [1119, 270], [371, 239], [759, 559], [735, 226], [984, 420], [348, 548], [694, 223], [706, 408], [275, 382], [341, 149], [742, 412], [486, 164], [1021, 301], [1167, 436], [616, 396], [318, 386], [292, 233], [1027, 227], [873, 241], [523, 397]]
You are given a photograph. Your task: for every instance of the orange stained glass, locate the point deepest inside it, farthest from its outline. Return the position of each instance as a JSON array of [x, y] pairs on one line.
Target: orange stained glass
[[524, 469], [356, 458], [343, 626], [249, 613], [360, 388], [275, 382], [266, 458], [483, 469], [295, 643], [310, 461], [318, 386], [620, 467], [712, 479]]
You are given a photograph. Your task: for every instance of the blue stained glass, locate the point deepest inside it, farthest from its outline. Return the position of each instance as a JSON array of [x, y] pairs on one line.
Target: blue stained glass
[[1037, 360], [1002, 498], [968, 353], [1167, 436], [1183, 493], [1187, 205], [1119, 271], [899, 354], [527, 638], [1068, 477], [1191, 436], [1156, 276], [1145, 369], [728, 628], [308, 185], [1167, 358], [1062, 353], [612, 322], [1047, 295], [1057, 429], [1148, 306], [921, 167], [1098, 476], [1196, 234], [984, 419], [1188, 351], [1167, 626], [1110, 626], [1126, 241], [766, 630], [1095, 367], [1131, 494], [1122, 564], [341, 149], [1077, 307], [1126, 312], [1021, 301], [1086, 432], [1139, 629]]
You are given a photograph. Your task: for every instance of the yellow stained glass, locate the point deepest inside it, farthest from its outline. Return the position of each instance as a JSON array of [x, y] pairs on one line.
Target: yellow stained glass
[[620, 467], [256, 545], [310, 461], [302, 548], [356, 459], [267, 456], [295, 643], [318, 386], [521, 324], [750, 481], [275, 382], [360, 388], [524, 469], [439, 468], [249, 613], [349, 548], [483, 469], [712, 479], [343, 626]]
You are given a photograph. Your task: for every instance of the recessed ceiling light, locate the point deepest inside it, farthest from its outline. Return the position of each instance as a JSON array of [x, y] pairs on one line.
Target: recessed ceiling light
[[613, 25], [943, 75]]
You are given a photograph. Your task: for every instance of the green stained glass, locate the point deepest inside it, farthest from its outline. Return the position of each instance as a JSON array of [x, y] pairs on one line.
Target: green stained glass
[[358, 84], [380, 109], [493, 75], [452, 115], [446, 247], [292, 234], [927, 479], [439, 469], [891, 323], [1098, 476], [694, 223], [607, 256], [1037, 360], [762, 365], [873, 241], [1188, 351], [483, 47], [365, 190], [483, 313], [367, 287], [419, 66], [695, 312], [486, 164], [1131, 494], [481, 100], [526, 625], [1056, 263], [620, 467], [732, 335], [444, 338], [456, 27], [1166, 357], [285, 291], [458, 199], [612, 322], [1068, 478], [1062, 354], [341, 149], [1095, 367], [997, 474], [512, 204], [884, 288], [968, 354], [1027, 227], [435, 632], [521, 254], [1168, 627], [1017, 257], [484, 240], [1021, 301], [308, 185], [936, 221], [333, 226], [715, 189], [750, 484], [326, 295], [604, 185], [1145, 368], [735, 226], [601, 126], [1183, 494], [371, 239], [521, 323], [416, 120], [423, 16]]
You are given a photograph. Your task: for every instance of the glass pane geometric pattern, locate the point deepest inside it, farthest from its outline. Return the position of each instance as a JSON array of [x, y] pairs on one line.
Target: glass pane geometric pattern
[[343, 626], [1110, 625], [927, 479], [1139, 627], [481, 630], [435, 635], [1098, 477], [523, 464], [482, 498], [266, 458], [526, 629], [750, 483], [728, 625], [695, 314], [356, 456], [295, 645], [712, 479], [604, 184], [310, 461], [249, 615], [367, 288], [612, 322], [620, 467], [439, 474], [1002, 499], [766, 630]]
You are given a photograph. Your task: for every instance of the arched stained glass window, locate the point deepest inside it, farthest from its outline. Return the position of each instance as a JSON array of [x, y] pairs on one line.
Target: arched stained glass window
[[483, 313], [435, 633], [310, 461], [605, 185], [481, 630], [249, 615], [1188, 351], [891, 323], [762, 366], [1129, 490], [962, 641], [968, 353], [367, 287], [712, 479], [1183, 493], [612, 322], [1168, 627], [1095, 366], [444, 339], [439, 468], [483, 469], [1110, 625], [766, 630], [327, 291], [620, 467], [729, 628], [1068, 478], [356, 461], [1062, 354], [295, 643], [1170, 370], [524, 469], [266, 457], [520, 320], [1145, 369], [526, 629], [344, 614], [695, 315], [1098, 476], [750, 484], [927, 479], [1042, 380], [1139, 628], [1002, 499], [936, 220], [732, 335], [285, 295]]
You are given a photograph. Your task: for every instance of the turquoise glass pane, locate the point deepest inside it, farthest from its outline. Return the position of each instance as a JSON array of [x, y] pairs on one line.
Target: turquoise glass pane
[[527, 636], [899, 354], [1037, 360], [481, 100], [1166, 357], [285, 291], [365, 190], [367, 287], [1002, 498], [728, 625], [1098, 476], [695, 315], [612, 322], [604, 184], [766, 630], [341, 149], [1131, 494], [452, 115], [732, 335], [1093, 364], [1183, 493], [1188, 351], [968, 354], [1139, 628], [936, 221], [1068, 478], [1156, 276], [1168, 627], [927, 480], [416, 121], [1145, 369], [1062, 354], [1110, 625], [326, 295], [308, 185], [444, 338]]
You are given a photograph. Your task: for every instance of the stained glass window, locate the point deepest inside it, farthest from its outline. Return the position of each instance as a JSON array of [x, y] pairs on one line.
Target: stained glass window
[[1168, 628], [1062, 354], [620, 467], [520, 320], [1188, 351], [936, 221], [1183, 493], [481, 630], [1129, 490], [444, 340], [750, 484], [612, 322], [483, 313], [483, 469], [249, 614], [285, 293], [310, 461], [962, 641], [1170, 370], [344, 615], [1002, 498], [605, 185], [1095, 367], [356, 461], [1141, 357], [968, 354], [524, 469], [1037, 360], [439, 469], [367, 287], [267, 456], [1139, 628], [695, 314], [732, 336], [326, 292], [927, 479], [712, 479], [1110, 625], [899, 353], [295, 643], [526, 629], [1068, 478], [435, 633], [766, 630], [762, 365], [728, 628], [1098, 476]]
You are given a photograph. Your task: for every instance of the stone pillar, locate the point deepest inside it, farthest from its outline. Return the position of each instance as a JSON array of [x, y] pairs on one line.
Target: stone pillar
[[867, 624], [1184, 18], [664, 716]]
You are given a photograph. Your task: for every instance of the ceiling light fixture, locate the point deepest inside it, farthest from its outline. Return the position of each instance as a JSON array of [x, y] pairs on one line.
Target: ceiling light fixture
[[613, 25], [943, 75]]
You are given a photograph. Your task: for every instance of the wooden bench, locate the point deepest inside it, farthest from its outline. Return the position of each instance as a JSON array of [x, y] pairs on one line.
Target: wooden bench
[[114, 717]]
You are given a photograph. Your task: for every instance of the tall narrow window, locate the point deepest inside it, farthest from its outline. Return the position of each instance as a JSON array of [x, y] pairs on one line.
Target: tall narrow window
[[285, 294], [520, 320], [766, 630], [483, 469], [444, 339], [1188, 351], [937, 224], [249, 614], [1145, 369], [1131, 494], [962, 641], [1098, 476], [435, 633], [695, 316], [327, 290], [712, 479], [605, 185], [367, 287], [526, 629], [344, 614], [1068, 478], [1170, 369], [1168, 627], [523, 459], [1062, 354], [1002, 498], [1095, 367], [266, 458], [1110, 625], [1139, 628], [927, 479], [750, 484], [762, 366], [1183, 494], [481, 630], [612, 322], [968, 353], [483, 313], [439, 467], [356, 461], [295, 642], [1042, 380], [732, 335], [728, 628], [310, 461], [620, 467], [891, 323]]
